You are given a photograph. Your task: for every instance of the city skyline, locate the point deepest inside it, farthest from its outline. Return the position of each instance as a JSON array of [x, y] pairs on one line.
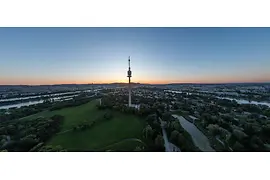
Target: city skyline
[[37, 56]]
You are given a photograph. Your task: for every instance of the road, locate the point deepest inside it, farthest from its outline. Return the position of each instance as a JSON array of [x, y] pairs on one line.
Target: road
[[199, 139]]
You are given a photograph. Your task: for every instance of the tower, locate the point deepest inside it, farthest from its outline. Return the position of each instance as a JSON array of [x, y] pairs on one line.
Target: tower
[[129, 85]]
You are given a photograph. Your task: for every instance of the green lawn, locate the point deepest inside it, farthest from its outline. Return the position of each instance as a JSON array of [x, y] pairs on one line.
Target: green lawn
[[125, 145], [120, 127], [103, 134], [73, 115]]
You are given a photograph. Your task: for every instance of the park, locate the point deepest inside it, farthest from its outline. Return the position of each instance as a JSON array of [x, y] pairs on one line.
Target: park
[[101, 123], [123, 132]]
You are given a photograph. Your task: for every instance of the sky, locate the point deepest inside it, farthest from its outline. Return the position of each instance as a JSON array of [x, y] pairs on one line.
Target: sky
[[35, 56]]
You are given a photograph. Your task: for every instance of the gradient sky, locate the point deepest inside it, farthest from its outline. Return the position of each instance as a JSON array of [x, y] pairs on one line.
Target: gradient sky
[[158, 55]]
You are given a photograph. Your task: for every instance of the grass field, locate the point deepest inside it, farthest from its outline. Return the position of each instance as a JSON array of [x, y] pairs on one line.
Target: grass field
[[120, 127]]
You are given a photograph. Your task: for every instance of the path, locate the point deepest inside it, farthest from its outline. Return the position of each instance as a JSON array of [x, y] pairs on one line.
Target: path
[[7, 140], [129, 139], [169, 147], [174, 148], [199, 139], [165, 137]]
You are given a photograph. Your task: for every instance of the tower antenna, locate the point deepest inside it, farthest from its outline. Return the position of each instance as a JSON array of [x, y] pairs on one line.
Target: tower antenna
[[129, 61]]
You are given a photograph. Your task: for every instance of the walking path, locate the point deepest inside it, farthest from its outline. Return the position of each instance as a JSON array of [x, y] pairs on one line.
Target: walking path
[[122, 141], [199, 139], [174, 148], [7, 141], [169, 147]]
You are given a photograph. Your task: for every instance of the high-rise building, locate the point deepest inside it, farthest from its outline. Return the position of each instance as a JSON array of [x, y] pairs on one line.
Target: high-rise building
[[129, 83]]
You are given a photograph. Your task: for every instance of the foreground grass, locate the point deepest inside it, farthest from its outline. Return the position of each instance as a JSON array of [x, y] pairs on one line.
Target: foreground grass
[[73, 115], [103, 134], [99, 137]]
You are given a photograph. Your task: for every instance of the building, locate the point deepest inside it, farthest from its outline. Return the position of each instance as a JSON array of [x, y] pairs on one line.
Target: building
[[129, 83], [129, 75]]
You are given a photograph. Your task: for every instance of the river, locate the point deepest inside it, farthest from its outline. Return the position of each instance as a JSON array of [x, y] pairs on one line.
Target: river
[[52, 97], [199, 139], [18, 105], [239, 101], [242, 101], [39, 96]]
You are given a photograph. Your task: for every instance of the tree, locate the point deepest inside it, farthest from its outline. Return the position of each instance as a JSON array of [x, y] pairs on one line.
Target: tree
[[3, 131], [108, 116], [50, 148], [57, 117], [213, 129], [167, 116], [144, 110], [238, 146], [159, 142], [266, 130], [25, 144], [148, 132], [11, 129], [224, 124], [138, 149], [175, 125], [181, 141], [36, 148], [256, 143], [151, 118], [223, 133], [206, 119], [240, 135], [175, 106], [174, 136]]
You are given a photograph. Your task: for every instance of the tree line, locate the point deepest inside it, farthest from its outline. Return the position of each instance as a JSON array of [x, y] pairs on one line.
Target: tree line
[[28, 135]]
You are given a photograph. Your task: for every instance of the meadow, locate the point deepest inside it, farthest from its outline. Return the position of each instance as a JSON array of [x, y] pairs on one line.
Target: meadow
[[121, 133]]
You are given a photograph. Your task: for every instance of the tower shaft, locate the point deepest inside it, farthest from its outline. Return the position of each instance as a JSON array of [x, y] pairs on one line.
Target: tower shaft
[[129, 83], [129, 94]]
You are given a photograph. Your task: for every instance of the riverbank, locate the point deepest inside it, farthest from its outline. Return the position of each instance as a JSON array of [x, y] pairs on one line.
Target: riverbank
[[199, 139]]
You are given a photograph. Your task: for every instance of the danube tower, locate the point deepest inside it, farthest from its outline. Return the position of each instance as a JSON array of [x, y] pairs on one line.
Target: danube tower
[[129, 85]]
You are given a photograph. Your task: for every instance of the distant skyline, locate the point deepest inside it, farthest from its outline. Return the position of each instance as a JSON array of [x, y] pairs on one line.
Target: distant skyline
[[36, 56]]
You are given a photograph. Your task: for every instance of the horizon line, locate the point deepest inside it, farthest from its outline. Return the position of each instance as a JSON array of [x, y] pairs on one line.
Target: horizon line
[[169, 83]]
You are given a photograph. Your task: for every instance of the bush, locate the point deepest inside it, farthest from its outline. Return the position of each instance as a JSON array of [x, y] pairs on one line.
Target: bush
[[238, 147], [108, 116]]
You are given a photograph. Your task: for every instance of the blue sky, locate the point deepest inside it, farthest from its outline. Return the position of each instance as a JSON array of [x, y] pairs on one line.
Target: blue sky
[[158, 55]]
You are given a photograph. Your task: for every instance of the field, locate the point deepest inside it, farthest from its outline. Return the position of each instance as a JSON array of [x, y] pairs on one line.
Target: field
[[116, 134]]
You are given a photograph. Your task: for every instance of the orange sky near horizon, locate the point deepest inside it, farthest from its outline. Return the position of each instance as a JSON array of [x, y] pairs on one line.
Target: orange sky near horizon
[[38, 81]]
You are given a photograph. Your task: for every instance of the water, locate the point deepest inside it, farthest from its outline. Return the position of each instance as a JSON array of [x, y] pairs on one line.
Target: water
[[36, 102], [239, 101], [21, 104], [173, 91], [199, 139], [242, 101], [28, 97], [178, 92]]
